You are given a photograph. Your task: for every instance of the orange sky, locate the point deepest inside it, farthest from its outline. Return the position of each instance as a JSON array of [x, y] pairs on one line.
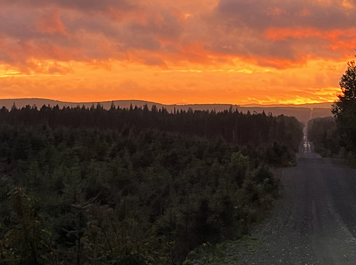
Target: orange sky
[[174, 52]]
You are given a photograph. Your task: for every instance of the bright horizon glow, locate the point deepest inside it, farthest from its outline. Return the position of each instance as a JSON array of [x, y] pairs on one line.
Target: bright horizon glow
[[169, 52]]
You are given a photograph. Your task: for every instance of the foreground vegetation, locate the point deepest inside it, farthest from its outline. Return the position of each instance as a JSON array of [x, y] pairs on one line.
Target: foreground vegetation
[[324, 134], [136, 186], [344, 111], [337, 135]]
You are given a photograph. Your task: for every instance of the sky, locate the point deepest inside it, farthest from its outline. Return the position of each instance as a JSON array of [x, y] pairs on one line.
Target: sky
[[176, 51]]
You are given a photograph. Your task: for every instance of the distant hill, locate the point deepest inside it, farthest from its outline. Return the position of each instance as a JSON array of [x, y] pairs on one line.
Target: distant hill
[[302, 112], [324, 105]]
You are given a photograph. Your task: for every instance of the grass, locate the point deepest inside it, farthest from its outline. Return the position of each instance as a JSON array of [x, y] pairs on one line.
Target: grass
[[229, 252]]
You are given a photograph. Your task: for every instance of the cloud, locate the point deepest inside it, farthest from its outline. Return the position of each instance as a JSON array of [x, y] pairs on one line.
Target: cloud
[[198, 40], [260, 15], [81, 5], [50, 22], [285, 33], [275, 32]]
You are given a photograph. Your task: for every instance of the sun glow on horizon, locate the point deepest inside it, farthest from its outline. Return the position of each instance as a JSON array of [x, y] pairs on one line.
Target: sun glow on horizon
[[172, 52], [195, 84]]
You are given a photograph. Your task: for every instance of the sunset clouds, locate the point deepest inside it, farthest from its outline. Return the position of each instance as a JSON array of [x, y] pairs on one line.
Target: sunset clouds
[[188, 51]]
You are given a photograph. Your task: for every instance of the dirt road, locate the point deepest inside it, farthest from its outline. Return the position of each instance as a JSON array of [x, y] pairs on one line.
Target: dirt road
[[315, 222]]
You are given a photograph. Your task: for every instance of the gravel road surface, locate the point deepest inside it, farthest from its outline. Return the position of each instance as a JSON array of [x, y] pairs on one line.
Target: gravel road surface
[[313, 223]]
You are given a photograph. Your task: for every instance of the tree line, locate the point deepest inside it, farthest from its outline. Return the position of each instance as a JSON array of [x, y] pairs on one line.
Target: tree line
[[133, 186], [337, 135], [324, 134], [231, 125], [344, 111]]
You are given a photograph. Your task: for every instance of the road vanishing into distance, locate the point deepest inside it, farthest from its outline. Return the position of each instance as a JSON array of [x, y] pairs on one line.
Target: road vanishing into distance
[[315, 221]]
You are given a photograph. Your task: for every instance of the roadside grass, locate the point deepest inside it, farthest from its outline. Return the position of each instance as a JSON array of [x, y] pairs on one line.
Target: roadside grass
[[228, 252], [235, 252]]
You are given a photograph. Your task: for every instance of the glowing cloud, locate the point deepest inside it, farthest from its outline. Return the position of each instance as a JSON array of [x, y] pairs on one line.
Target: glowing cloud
[[202, 51]]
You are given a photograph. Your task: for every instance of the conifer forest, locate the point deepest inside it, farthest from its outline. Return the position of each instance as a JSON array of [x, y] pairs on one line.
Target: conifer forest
[[134, 186]]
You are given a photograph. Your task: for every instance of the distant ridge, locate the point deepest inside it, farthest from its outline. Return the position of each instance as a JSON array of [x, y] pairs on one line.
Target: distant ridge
[[302, 112], [23, 102], [326, 105]]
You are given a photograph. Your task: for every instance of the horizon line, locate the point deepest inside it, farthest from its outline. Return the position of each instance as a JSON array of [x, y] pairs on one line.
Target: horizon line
[[176, 104]]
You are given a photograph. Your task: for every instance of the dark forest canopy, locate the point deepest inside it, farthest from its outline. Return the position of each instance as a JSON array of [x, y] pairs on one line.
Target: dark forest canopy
[[133, 186], [345, 108], [324, 135], [302, 112], [233, 126]]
